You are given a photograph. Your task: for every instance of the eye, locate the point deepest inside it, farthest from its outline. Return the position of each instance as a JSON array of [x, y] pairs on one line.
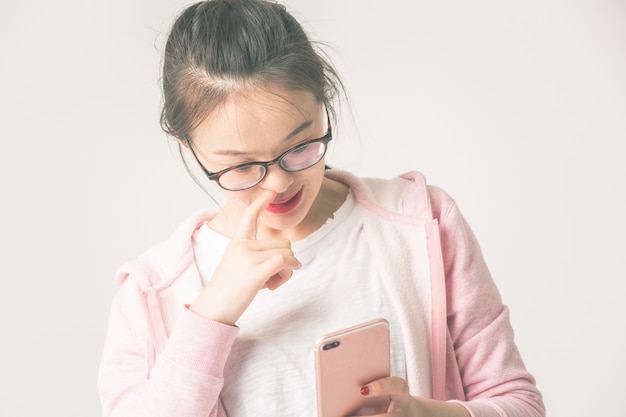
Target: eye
[[300, 149], [243, 168]]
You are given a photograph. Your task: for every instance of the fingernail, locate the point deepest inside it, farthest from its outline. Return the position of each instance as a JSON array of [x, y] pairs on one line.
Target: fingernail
[[365, 391]]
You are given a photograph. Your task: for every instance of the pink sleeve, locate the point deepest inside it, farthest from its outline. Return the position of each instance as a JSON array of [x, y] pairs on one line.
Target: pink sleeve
[[187, 377], [481, 347]]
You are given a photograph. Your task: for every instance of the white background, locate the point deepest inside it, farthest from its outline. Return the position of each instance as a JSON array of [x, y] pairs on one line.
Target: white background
[[517, 109]]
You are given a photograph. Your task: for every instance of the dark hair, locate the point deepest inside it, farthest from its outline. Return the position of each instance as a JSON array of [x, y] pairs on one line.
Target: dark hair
[[219, 47]]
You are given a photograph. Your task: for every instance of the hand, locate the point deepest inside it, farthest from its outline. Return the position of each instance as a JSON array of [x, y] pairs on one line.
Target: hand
[[403, 404], [247, 266]]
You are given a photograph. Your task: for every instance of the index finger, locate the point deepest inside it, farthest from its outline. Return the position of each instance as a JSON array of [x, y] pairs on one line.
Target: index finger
[[249, 221]]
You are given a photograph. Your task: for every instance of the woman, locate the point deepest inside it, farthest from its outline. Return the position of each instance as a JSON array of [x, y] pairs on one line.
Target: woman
[[220, 319]]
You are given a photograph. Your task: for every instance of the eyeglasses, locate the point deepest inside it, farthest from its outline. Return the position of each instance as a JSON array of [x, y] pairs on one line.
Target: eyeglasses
[[244, 176]]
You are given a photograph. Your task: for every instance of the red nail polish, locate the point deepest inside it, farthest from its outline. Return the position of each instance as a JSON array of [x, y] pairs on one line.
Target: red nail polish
[[365, 391]]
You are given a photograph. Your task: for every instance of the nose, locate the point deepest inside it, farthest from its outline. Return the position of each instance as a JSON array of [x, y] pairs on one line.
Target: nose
[[277, 179]]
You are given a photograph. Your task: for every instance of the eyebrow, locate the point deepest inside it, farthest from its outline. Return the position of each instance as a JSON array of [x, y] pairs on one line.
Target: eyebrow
[[305, 125]]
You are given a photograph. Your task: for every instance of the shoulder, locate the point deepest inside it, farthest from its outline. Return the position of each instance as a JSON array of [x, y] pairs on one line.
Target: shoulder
[[163, 263], [406, 195]]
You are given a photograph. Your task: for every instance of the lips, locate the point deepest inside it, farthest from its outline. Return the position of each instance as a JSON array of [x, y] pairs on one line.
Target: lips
[[285, 205]]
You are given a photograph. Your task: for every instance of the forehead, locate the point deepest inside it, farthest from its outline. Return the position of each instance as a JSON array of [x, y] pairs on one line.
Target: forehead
[[255, 116]]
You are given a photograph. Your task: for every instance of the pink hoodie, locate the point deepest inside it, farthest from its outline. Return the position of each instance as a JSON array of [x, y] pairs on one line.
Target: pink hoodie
[[150, 369]]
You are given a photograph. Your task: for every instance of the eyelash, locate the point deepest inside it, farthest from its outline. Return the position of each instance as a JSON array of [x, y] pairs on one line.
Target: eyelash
[[245, 162]]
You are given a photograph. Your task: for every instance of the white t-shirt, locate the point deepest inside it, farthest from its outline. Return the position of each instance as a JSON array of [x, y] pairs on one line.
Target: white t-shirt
[[270, 371]]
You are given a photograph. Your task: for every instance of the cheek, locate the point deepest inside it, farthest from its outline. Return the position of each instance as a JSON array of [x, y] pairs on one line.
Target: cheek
[[239, 200], [317, 174]]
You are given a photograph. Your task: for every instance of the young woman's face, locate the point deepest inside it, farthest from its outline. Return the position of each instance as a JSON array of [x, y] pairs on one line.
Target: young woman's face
[[259, 126]]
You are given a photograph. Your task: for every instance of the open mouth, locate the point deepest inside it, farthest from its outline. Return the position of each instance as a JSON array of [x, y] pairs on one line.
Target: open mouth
[[285, 205]]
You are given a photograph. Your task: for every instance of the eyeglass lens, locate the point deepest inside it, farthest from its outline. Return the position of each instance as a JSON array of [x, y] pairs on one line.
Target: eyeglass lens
[[297, 159]]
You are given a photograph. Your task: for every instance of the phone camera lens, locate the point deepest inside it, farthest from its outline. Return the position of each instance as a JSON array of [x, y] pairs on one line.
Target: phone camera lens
[[332, 345]]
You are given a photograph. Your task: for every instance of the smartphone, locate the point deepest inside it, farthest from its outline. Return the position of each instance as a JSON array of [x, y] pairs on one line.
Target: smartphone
[[347, 360]]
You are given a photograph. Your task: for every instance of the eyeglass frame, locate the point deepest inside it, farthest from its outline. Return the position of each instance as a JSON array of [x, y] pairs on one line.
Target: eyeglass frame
[[215, 176]]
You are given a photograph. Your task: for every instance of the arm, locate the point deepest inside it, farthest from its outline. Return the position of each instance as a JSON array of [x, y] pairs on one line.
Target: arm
[[493, 375], [186, 378], [485, 375]]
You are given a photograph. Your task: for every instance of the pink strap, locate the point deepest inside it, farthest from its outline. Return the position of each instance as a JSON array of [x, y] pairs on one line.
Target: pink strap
[[439, 310], [157, 337]]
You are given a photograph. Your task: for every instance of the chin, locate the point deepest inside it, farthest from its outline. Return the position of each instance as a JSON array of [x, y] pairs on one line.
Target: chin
[[289, 224], [282, 222]]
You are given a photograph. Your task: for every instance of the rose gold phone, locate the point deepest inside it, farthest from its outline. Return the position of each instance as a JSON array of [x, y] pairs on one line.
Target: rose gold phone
[[347, 360]]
